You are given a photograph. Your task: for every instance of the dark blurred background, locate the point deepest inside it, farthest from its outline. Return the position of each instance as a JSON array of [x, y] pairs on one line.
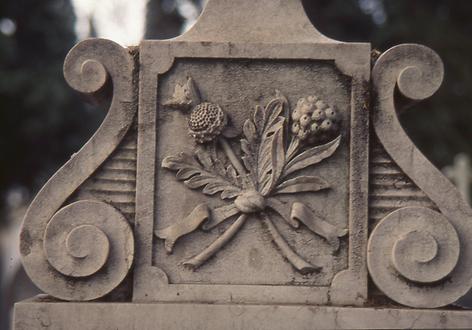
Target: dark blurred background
[[42, 121]]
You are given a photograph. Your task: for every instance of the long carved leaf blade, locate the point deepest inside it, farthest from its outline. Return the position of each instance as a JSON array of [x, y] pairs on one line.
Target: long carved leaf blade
[[249, 157], [216, 185], [266, 151], [302, 184], [312, 156], [278, 156], [259, 119], [249, 130], [229, 194], [194, 176], [198, 181], [186, 173], [176, 162], [226, 190], [274, 109]]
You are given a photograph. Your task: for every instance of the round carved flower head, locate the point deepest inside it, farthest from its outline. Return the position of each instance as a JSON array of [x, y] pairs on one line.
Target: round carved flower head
[[313, 120], [206, 122]]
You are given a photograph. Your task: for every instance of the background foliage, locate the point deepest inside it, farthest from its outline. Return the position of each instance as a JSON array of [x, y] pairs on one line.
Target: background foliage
[[42, 121]]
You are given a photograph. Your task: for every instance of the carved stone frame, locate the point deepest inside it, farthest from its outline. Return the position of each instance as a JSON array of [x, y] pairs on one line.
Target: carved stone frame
[[348, 286]]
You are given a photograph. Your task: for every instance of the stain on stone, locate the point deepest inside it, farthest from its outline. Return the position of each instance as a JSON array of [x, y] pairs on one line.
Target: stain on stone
[[25, 243], [255, 260]]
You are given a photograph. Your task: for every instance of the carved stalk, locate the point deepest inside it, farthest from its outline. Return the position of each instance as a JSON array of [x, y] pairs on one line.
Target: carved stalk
[[231, 156], [214, 247], [247, 179], [301, 265], [221, 241]]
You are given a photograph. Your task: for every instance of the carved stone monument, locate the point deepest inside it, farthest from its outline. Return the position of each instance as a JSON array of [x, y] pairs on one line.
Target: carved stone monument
[[250, 174]]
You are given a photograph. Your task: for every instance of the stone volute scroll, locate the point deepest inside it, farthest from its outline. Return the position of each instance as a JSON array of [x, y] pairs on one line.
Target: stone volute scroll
[[83, 250], [249, 174], [417, 256]]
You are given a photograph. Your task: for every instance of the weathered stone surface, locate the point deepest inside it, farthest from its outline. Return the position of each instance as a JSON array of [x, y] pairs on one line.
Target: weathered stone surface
[[417, 72], [239, 162], [52, 225], [245, 80], [37, 314]]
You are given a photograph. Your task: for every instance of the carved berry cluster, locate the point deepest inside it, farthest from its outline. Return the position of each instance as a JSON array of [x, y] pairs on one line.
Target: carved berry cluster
[[314, 120]]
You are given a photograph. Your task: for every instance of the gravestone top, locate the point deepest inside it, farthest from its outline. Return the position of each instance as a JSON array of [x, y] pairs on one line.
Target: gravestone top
[[250, 161], [245, 21]]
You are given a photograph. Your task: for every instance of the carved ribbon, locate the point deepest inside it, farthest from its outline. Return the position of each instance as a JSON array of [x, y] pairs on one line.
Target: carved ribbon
[[301, 212], [210, 218], [185, 226]]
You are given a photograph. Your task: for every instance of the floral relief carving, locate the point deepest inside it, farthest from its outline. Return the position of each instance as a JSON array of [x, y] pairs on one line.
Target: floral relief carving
[[275, 145]]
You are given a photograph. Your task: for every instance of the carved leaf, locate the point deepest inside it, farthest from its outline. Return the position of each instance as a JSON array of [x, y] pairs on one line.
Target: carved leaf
[[302, 184], [204, 158], [271, 156], [194, 176], [312, 156], [249, 147], [274, 110], [259, 119], [263, 145], [248, 159], [278, 157], [249, 130], [233, 175]]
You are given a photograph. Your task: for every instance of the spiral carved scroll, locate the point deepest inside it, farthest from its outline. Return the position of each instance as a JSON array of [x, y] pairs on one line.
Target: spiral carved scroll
[[84, 250], [417, 256]]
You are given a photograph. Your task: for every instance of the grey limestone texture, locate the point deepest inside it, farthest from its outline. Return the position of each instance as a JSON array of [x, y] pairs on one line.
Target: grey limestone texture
[[250, 174], [37, 314]]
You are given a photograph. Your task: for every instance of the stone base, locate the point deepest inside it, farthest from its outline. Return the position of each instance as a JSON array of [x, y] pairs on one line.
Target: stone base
[[41, 313]]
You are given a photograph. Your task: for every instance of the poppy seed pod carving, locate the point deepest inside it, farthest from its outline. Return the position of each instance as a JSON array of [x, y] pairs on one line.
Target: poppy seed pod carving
[[206, 122]]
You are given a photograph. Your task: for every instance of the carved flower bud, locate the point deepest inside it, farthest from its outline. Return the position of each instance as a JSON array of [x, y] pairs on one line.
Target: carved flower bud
[[314, 121], [312, 99], [250, 201], [305, 106], [318, 115], [327, 125], [305, 121], [206, 122], [321, 105], [314, 129], [185, 96], [296, 115], [331, 114], [295, 128], [303, 134]]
